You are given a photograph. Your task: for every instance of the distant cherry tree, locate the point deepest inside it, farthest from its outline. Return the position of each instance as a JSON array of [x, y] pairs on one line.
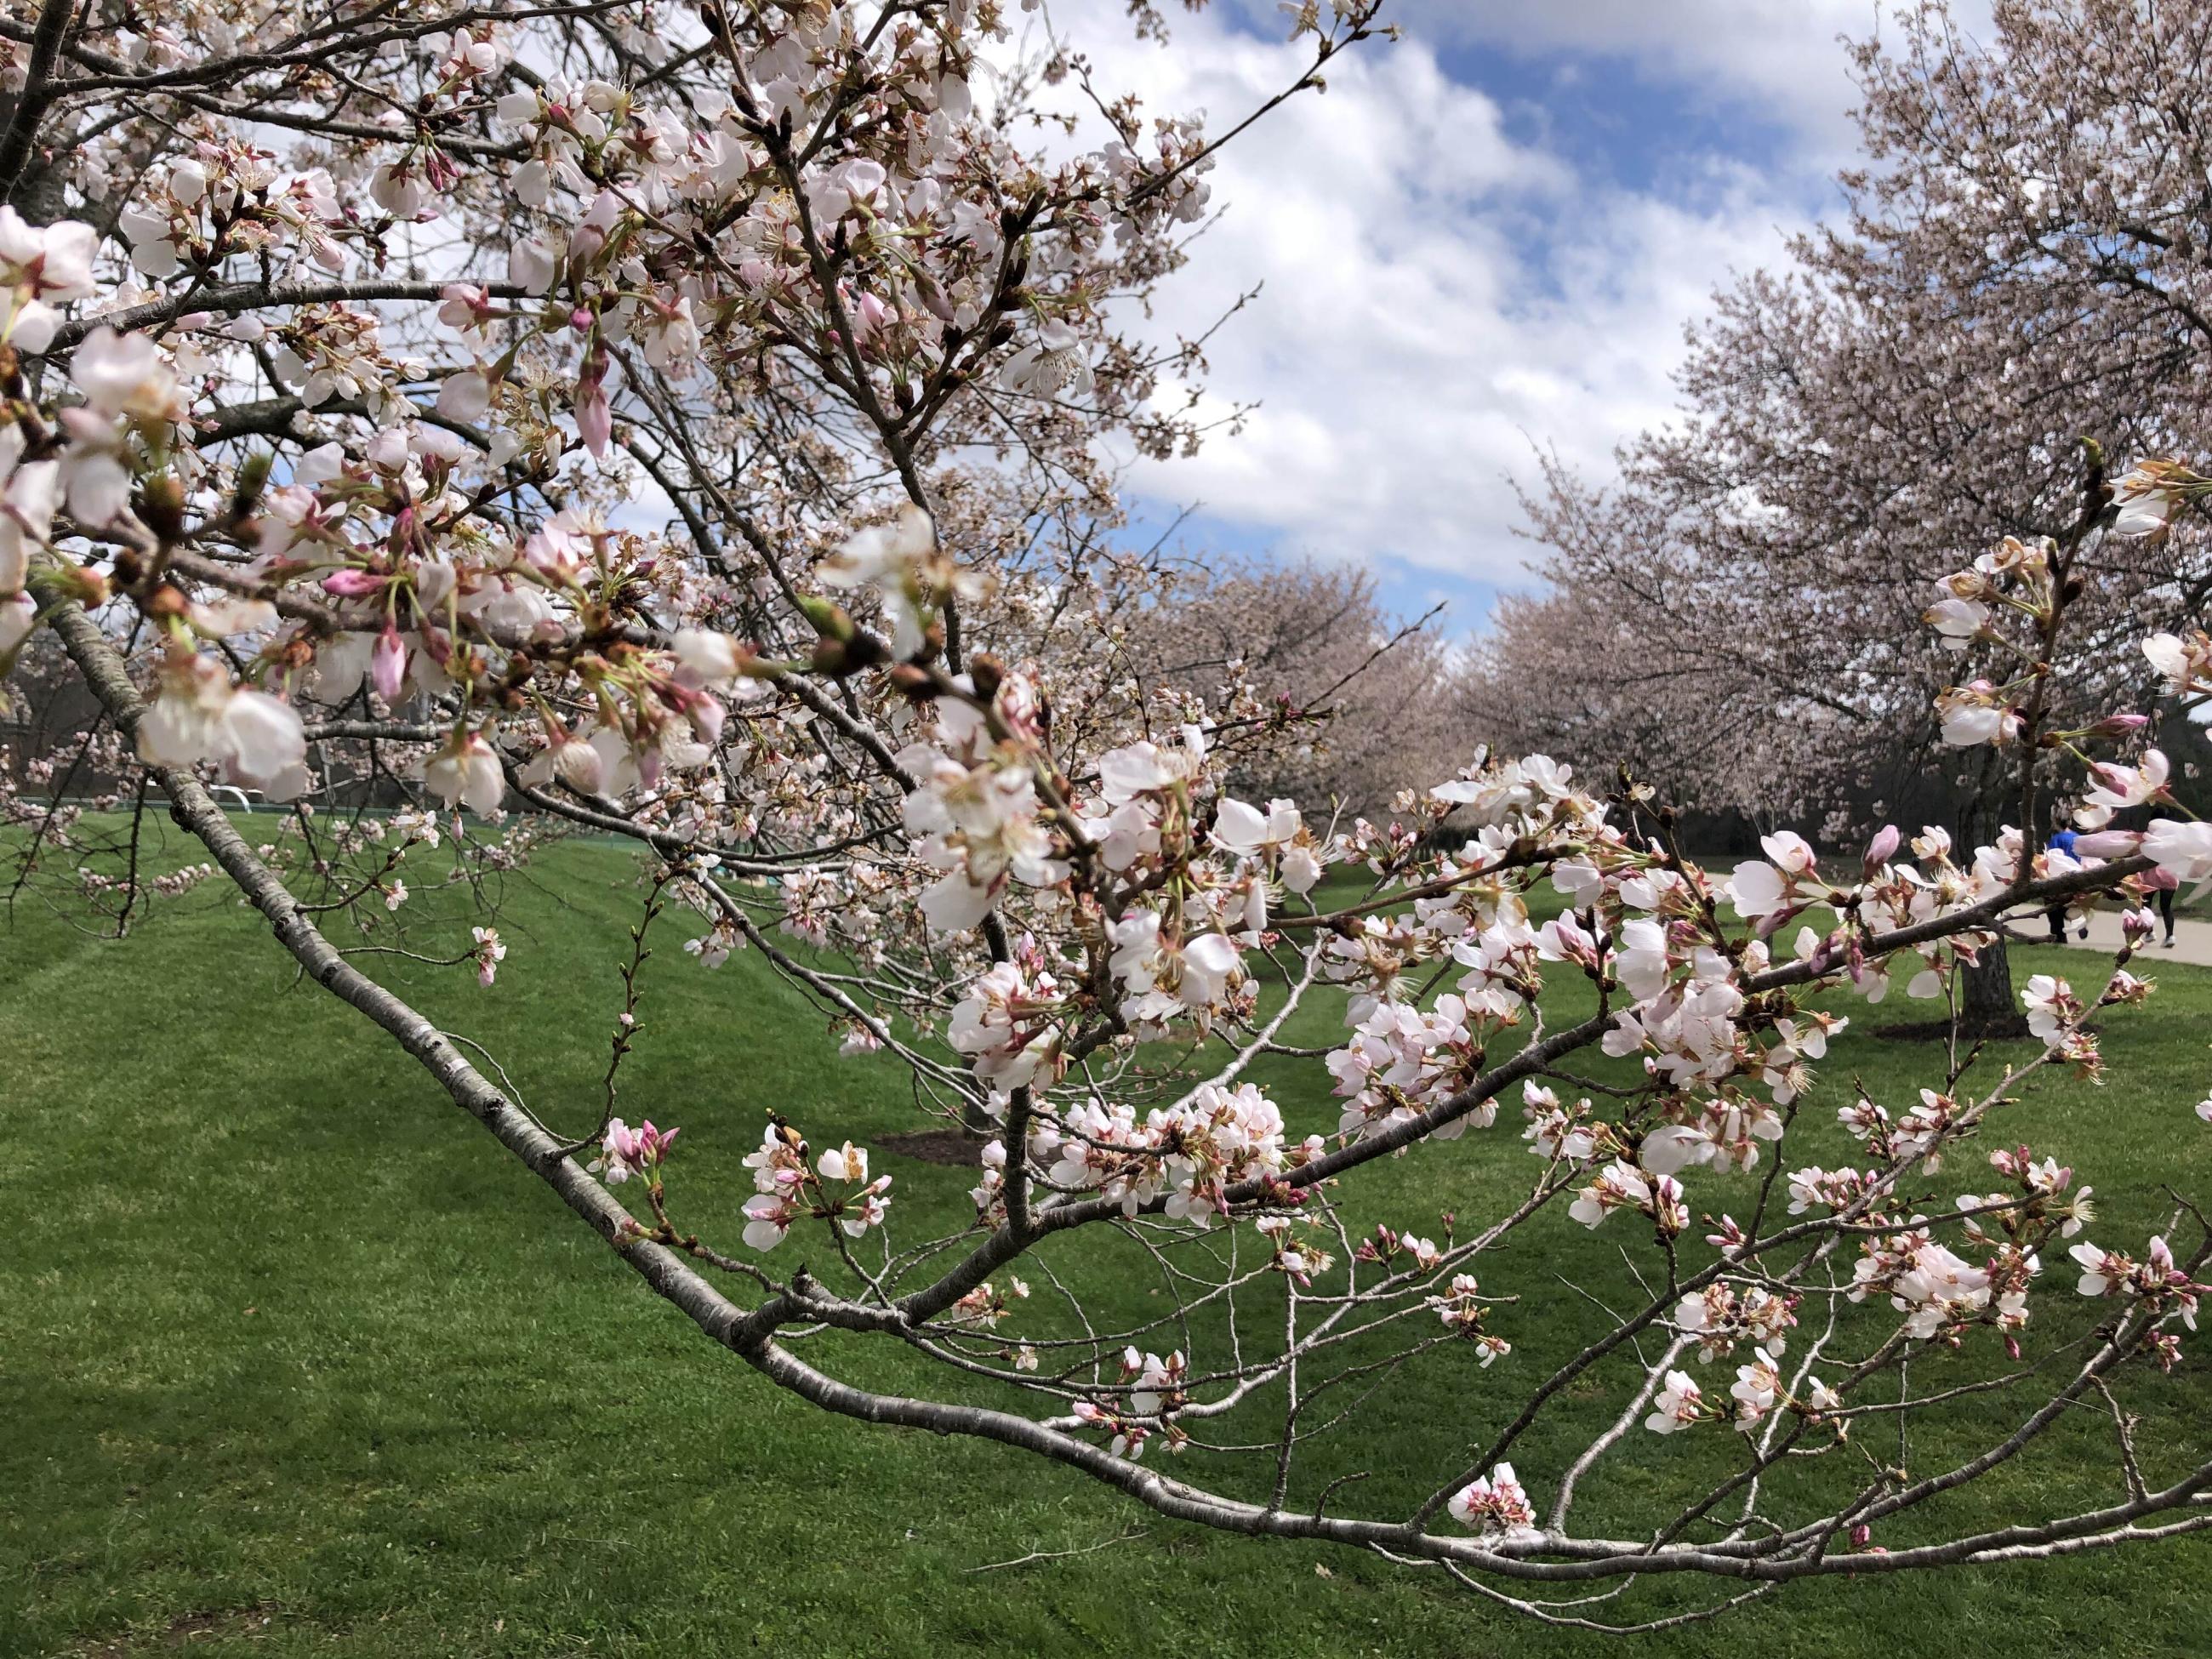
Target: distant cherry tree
[[2020, 268]]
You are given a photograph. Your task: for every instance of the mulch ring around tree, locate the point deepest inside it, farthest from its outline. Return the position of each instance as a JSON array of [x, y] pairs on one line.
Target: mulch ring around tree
[[946, 1147]]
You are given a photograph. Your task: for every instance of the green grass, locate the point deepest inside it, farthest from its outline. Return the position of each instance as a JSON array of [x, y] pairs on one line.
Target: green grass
[[296, 1360]]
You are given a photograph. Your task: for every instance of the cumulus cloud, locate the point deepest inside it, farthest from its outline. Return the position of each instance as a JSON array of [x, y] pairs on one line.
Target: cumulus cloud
[[1437, 298], [1782, 61]]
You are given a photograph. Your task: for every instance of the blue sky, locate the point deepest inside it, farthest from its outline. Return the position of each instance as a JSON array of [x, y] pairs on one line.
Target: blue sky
[[1483, 239], [1637, 126]]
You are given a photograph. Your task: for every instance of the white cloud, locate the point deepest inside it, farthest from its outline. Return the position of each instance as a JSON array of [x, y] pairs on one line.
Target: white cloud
[[1437, 298], [1781, 59]]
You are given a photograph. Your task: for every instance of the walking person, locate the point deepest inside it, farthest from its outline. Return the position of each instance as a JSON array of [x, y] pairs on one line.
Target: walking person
[[2062, 840]]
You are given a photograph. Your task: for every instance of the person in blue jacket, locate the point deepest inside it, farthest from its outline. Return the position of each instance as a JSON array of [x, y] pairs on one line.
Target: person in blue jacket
[[2061, 841]]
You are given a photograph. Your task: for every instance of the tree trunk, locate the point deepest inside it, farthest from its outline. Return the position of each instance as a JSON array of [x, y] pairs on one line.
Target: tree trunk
[[1986, 1008], [1986, 999]]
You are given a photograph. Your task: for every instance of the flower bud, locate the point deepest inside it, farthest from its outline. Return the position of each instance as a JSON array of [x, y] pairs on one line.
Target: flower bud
[[2107, 844], [829, 618], [2117, 726], [253, 479], [914, 685], [162, 507], [351, 584]]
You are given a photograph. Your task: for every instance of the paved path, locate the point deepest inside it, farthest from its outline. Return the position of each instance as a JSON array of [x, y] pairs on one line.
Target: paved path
[[2192, 940]]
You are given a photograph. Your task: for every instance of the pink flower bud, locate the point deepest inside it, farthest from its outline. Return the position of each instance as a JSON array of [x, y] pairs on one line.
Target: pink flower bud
[[704, 711], [2108, 844], [2117, 726], [1881, 847], [594, 419], [388, 664], [353, 584]]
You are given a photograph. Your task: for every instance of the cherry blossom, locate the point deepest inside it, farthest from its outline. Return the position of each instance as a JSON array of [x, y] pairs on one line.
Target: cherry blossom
[[625, 1152], [708, 433], [1495, 1502], [1679, 1404], [490, 953], [199, 714], [466, 773]]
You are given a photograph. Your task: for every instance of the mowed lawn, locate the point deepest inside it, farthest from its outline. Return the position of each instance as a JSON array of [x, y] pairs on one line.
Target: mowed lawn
[[295, 1359]]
